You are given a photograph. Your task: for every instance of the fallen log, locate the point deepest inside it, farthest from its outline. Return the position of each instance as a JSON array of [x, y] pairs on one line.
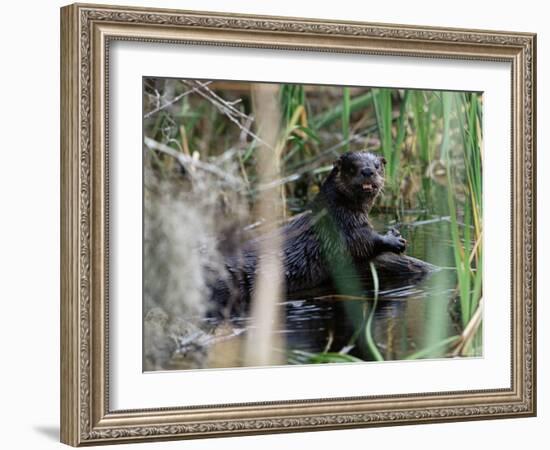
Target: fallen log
[[393, 271]]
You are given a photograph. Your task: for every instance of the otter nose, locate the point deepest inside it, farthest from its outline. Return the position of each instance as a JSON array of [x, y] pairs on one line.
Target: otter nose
[[367, 172]]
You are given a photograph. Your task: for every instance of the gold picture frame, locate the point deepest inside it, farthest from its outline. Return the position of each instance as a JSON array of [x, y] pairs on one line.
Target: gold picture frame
[[86, 32]]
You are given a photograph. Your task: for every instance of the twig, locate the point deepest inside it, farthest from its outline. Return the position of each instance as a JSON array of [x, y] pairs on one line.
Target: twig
[[171, 102], [187, 161], [228, 110], [276, 183], [429, 221], [227, 104], [242, 136]]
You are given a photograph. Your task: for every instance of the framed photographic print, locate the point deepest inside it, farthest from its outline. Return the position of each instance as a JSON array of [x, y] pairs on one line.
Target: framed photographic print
[[277, 224]]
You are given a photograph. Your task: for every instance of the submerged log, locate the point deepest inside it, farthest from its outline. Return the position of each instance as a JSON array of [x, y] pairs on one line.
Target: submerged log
[[393, 271], [396, 270]]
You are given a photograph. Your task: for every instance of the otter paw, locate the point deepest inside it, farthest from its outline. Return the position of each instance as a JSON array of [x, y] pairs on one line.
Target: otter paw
[[393, 232], [396, 242]]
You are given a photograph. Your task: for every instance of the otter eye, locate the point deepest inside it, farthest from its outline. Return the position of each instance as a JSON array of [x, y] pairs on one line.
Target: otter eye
[[377, 165]]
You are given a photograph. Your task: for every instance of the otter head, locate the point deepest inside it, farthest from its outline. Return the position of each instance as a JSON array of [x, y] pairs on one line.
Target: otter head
[[359, 176]]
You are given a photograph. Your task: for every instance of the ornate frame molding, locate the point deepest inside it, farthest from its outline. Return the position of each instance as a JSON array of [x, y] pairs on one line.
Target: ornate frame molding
[[86, 31]]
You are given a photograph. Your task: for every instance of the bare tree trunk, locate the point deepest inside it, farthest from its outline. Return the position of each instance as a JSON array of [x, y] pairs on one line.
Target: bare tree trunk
[[260, 347]]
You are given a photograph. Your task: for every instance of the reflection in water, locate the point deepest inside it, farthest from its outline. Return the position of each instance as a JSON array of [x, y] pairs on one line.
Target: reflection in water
[[407, 319]]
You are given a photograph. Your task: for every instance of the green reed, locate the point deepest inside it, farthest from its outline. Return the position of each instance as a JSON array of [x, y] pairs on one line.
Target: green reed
[[368, 328], [467, 239], [391, 129], [346, 112]]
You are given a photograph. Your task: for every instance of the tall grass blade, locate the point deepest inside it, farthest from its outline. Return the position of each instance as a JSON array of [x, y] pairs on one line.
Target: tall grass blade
[[346, 112], [368, 328]]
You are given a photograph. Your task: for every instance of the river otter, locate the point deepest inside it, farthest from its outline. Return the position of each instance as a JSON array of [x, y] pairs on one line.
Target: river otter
[[334, 236]]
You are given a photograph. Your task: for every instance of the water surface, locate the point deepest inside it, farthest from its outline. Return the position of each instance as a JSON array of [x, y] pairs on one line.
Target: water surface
[[408, 318]]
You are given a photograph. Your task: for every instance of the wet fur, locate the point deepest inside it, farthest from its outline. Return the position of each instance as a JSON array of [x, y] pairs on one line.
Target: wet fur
[[336, 228]]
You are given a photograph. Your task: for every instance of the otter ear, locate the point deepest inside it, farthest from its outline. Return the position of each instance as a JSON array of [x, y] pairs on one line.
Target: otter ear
[[382, 160]]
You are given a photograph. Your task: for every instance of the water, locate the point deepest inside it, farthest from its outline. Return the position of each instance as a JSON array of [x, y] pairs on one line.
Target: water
[[410, 316]]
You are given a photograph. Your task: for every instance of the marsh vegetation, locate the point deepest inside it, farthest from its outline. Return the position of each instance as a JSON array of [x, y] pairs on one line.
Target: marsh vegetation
[[207, 176]]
